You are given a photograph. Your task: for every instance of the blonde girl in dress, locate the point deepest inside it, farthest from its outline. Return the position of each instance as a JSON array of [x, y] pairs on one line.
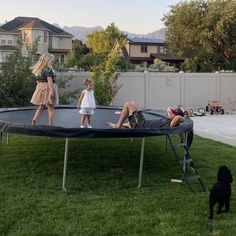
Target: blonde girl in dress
[[87, 103], [46, 92]]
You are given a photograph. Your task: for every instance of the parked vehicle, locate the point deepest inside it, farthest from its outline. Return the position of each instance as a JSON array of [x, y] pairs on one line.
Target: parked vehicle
[[214, 106]]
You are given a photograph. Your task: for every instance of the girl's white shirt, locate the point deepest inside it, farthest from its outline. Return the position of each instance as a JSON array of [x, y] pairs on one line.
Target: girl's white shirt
[[88, 100]]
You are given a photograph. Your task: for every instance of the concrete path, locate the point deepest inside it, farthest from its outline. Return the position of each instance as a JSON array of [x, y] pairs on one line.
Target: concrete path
[[217, 127]]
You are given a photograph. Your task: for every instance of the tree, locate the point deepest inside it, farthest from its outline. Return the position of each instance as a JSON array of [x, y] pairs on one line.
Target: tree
[[113, 34], [90, 60], [96, 50], [124, 64], [70, 59], [104, 61], [203, 62], [97, 42], [17, 83], [66, 95], [199, 25], [102, 42], [220, 29], [79, 50], [105, 79]]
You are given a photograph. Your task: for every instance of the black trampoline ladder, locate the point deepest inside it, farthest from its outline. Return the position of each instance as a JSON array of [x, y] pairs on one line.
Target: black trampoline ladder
[[189, 171]]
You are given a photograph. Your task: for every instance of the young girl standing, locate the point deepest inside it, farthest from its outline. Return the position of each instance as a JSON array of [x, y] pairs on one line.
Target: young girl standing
[[45, 94], [87, 103]]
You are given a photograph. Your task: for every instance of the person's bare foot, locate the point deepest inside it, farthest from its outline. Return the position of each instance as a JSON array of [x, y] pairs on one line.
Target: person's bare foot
[[112, 125], [126, 125]]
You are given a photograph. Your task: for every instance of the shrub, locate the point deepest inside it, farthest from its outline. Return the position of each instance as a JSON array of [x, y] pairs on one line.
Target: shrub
[[17, 82]]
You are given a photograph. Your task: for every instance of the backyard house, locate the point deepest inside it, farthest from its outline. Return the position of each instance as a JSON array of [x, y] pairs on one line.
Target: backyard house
[[50, 38], [143, 51]]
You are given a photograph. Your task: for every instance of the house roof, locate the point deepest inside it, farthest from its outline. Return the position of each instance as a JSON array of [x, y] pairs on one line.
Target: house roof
[[140, 58], [58, 50], [146, 41], [167, 57], [34, 24], [18, 23]]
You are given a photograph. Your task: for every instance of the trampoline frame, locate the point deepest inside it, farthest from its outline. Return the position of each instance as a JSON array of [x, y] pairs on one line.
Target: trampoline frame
[[185, 163]]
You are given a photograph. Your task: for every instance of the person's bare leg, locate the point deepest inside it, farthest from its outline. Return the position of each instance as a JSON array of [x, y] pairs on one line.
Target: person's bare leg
[[82, 120], [37, 114], [127, 110], [89, 121], [50, 114]]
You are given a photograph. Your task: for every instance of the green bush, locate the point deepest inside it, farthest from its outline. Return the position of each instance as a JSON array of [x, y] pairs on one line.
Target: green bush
[[17, 82], [66, 95], [105, 79]]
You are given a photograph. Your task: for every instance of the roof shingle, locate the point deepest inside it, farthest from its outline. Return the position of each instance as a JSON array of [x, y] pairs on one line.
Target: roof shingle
[[14, 25], [146, 41]]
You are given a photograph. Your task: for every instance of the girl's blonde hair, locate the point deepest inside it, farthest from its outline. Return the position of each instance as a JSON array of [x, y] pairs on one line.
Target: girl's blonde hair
[[43, 62], [87, 81]]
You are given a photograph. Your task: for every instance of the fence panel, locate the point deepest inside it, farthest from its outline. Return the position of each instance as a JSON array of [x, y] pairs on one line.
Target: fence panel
[[163, 89], [132, 88], [159, 90], [199, 88]]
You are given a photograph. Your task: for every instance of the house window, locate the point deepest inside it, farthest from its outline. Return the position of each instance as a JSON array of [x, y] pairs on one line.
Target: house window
[[45, 37], [5, 56], [163, 50], [144, 48], [62, 59], [9, 41], [3, 42]]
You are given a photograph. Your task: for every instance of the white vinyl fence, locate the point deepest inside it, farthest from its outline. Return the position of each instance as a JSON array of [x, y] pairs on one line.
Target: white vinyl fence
[[159, 90]]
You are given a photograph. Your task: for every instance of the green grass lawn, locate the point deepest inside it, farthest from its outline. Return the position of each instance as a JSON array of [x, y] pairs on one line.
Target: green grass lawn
[[102, 196]]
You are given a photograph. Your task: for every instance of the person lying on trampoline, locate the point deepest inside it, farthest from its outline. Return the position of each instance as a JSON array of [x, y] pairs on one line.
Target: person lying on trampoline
[[136, 119]]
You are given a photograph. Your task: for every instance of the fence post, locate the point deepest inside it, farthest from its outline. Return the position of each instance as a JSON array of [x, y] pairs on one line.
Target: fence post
[[182, 88], [217, 85], [146, 92]]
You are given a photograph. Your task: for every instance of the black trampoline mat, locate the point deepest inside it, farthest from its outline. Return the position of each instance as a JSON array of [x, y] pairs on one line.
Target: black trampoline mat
[[67, 119]]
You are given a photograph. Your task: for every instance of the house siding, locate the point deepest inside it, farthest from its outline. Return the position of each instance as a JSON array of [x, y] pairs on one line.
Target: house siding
[[7, 37], [61, 42], [143, 51], [4, 53], [50, 38], [135, 50]]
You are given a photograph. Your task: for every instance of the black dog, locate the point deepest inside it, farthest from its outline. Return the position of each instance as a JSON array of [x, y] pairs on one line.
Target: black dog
[[221, 191]]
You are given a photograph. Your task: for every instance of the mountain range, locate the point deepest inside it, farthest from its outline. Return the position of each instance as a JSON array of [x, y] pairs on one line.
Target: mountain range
[[81, 33]]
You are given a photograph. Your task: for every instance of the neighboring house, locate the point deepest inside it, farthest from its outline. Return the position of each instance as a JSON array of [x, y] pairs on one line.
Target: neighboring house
[[51, 38], [143, 51]]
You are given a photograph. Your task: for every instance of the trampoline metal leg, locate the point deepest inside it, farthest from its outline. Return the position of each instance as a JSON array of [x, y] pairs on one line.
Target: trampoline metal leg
[[185, 153], [166, 142], [65, 164], [0, 144], [173, 148], [141, 163], [7, 140]]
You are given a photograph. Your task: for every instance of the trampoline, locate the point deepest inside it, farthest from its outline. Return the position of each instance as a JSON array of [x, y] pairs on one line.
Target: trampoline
[[67, 125]]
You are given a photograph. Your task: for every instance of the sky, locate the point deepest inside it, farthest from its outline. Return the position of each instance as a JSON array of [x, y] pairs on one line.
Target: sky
[[134, 16]]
